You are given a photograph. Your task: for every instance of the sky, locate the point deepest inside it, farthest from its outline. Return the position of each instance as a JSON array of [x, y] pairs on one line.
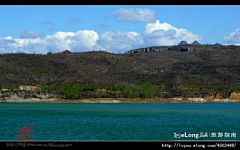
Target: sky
[[114, 28]]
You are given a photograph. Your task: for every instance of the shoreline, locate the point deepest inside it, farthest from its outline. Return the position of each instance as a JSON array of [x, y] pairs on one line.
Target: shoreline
[[122, 100]]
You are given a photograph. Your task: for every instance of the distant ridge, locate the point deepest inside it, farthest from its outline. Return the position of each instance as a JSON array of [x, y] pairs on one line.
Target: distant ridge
[[183, 46]]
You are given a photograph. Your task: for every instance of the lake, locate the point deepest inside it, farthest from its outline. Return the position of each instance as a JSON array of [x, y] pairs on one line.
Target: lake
[[127, 122]]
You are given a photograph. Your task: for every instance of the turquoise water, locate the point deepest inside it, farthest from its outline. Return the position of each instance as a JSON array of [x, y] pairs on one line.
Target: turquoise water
[[61, 121]]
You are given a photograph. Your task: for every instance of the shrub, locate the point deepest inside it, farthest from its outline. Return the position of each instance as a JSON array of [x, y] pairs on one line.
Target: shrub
[[129, 93], [114, 88], [105, 95], [135, 94], [238, 88], [223, 87], [71, 92], [66, 52], [144, 94]]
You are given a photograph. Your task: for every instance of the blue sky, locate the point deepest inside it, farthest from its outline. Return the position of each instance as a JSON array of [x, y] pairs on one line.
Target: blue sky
[[39, 29]]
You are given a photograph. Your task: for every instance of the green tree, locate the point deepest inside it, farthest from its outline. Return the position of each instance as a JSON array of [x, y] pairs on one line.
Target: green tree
[[129, 93], [105, 95], [114, 88]]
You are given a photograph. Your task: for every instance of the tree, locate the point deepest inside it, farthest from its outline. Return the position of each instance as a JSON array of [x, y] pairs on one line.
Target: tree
[[49, 53]]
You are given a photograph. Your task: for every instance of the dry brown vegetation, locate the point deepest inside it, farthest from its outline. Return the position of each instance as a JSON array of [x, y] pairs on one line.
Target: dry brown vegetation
[[207, 66]]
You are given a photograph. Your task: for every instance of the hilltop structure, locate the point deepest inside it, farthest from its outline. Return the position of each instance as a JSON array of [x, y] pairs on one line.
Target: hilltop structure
[[196, 43], [182, 43]]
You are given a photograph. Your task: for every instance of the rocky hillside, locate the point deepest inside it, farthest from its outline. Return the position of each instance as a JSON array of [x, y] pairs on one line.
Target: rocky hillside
[[181, 47], [173, 66]]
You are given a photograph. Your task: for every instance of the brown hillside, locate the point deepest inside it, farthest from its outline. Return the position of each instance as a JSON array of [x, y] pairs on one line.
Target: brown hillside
[[205, 64]]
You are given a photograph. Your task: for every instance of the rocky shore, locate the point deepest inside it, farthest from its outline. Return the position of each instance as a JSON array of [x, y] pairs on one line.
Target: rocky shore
[[31, 94], [14, 99]]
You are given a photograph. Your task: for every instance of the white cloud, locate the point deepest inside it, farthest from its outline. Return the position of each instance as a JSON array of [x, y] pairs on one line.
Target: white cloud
[[60, 35], [153, 34], [75, 41], [232, 38], [165, 34], [4, 44], [8, 38], [135, 15], [84, 39], [120, 41], [58, 41], [80, 41]]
